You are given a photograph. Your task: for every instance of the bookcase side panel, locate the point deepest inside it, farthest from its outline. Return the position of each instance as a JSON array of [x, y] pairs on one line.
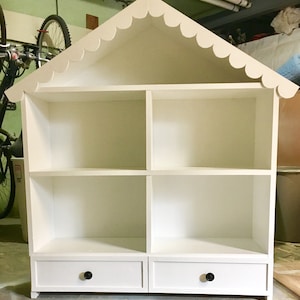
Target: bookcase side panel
[[37, 119], [41, 212]]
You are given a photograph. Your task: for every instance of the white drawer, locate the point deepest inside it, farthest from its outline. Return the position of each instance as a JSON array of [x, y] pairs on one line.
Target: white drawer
[[190, 277], [90, 276]]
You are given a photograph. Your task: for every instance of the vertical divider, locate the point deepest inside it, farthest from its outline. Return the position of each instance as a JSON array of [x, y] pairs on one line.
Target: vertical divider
[[149, 131], [149, 214], [149, 158]]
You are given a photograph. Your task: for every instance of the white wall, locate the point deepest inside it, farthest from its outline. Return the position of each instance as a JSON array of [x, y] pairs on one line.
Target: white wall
[[23, 28]]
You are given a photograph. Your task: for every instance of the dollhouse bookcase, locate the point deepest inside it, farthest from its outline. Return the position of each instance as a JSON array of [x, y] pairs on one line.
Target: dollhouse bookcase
[[150, 158]]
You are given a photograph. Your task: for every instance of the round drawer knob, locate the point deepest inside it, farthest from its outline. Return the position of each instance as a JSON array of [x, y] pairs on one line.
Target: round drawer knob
[[87, 275], [210, 277]]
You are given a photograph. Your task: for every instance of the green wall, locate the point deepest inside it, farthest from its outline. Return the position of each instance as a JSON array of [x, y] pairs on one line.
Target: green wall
[[73, 11]]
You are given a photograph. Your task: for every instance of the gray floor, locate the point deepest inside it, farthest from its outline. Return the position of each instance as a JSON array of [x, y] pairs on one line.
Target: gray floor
[[22, 292], [15, 277]]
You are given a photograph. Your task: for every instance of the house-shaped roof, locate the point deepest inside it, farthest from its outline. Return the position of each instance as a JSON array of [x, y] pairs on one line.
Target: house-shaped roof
[[149, 42]]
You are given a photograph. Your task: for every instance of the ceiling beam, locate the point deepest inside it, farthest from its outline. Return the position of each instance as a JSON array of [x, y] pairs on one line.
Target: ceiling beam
[[258, 8]]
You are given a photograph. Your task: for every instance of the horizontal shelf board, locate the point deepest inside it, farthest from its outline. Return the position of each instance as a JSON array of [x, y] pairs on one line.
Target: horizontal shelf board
[[89, 172], [94, 245], [210, 249], [211, 171], [154, 87], [208, 246], [65, 95], [141, 172], [134, 92]]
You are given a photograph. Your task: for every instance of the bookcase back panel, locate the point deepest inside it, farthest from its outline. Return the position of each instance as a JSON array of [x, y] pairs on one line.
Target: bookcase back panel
[[80, 134], [161, 56]]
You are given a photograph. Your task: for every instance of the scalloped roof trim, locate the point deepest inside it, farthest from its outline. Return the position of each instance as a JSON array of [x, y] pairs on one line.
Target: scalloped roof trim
[[172, 18]]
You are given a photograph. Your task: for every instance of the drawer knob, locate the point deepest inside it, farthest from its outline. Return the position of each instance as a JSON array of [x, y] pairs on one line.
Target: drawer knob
[[88, 275], [210, 277]]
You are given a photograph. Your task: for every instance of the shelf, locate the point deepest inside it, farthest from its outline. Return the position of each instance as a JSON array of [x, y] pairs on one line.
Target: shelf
[[208, 206], [160, 90], [139, 172], [192, 129], [67, 135], [226, 248], [88, 246], [170, 127], [88, 172], [88, 206], [90, 94], [210, 171]]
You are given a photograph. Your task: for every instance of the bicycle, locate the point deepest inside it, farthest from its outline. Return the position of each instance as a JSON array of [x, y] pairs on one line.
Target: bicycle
[[53, 37]]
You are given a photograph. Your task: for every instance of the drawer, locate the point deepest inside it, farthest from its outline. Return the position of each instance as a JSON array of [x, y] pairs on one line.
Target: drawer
[[90, 275], [208, 278]]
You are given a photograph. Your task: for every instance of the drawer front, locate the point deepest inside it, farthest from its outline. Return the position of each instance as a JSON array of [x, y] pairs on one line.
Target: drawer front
[[101, 276], [208, 278]]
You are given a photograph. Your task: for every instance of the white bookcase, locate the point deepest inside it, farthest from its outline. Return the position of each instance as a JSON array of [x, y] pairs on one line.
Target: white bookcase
[[151, 182]]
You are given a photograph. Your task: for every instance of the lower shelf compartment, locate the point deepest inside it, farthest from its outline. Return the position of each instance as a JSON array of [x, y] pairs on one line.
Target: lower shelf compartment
[[236, 247], [61, 246]]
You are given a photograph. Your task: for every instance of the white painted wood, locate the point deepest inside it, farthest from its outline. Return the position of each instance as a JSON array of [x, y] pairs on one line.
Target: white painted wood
[[142, 164], [66, 138], [153, 52], [215, 249], [205, 206], [80, 246], [107, 275], [79, 206], [195, 130], [34, 295], [189, 277], [200, 189]]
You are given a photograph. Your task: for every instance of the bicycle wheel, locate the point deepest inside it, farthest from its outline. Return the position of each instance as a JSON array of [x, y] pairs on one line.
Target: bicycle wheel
[[2, 27], [53, 38], [2, 32], [7, 185]]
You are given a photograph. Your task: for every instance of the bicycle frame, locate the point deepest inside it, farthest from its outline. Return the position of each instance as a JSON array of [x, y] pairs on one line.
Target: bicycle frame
[[4, 149], [7, 82]]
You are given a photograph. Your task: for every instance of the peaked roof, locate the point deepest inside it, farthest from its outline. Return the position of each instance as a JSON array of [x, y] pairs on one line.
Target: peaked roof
[[149, 42]]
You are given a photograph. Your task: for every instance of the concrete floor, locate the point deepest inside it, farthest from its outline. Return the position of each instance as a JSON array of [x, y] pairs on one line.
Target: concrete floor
[[15, 276]]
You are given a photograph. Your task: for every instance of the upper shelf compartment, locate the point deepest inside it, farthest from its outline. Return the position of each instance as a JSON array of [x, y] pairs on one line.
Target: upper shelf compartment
[[149, 42], [86, 130], [216, 127]]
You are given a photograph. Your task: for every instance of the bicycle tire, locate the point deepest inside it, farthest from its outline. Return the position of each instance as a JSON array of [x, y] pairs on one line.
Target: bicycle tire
[[53, 38], [7, 186], [2, 27], [2, 32]]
